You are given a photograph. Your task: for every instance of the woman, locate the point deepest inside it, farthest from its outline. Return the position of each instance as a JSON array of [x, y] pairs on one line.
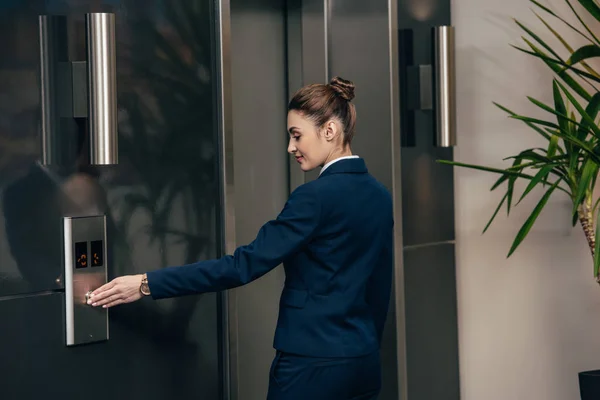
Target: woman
[[334, 237]]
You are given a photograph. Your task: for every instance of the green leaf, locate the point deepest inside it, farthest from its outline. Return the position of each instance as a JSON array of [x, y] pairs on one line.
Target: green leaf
[[561, 72], [584, 53], [546, 9], [487, 169], [530, 154], [537, 39], [553, 146], [582, 2], [560, 67], [512, 114], [574, 152], [546, 107], [591, 110], [556, 62], [592, 8], [566, 45], [509, 192], [496, 170], [531, 219], [499, 182], [582, 145], [555, 33], [580, 110], [561, 109], [536, 121], [568, 124], [589, 169], [596, 207], [549, 11], [539, 177], [495, 213], [574, 219]]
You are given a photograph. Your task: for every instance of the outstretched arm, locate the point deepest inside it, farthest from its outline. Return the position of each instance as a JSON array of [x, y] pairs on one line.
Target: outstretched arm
[[276, 240]]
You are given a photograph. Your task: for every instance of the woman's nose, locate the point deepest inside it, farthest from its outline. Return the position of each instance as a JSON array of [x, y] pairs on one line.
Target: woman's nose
[[291, 148]]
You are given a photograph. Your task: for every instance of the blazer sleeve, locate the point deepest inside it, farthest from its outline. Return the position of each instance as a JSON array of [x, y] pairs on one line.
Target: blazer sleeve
[[276, 240]]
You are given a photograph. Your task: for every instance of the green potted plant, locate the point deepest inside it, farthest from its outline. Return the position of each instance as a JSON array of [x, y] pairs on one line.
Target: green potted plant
[[568, 164]]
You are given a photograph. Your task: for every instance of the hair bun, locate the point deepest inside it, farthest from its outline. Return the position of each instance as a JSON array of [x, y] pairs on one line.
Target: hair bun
[[343, 88]]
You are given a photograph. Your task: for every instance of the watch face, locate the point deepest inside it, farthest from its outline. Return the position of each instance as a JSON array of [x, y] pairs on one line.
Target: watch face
[[145, 289]]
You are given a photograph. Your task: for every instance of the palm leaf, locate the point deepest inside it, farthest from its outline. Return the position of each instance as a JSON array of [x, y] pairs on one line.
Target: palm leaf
[[566, 45], [557, 67], [581, 110], [589, 170], [542, 175], [495, 212], [592, 8], [560, 67], [546, 9], [584, 53], [531, 219], [587, 4], [531, 125]]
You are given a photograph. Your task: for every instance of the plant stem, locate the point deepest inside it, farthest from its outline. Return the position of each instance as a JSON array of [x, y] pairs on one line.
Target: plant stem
[[586, 219]]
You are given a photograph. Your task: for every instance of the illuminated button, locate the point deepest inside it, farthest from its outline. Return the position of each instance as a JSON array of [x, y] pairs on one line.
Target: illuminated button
[[81, 260], [97, 259]]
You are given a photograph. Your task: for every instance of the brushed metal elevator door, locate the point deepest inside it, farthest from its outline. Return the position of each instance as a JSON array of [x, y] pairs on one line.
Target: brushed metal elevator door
[[161, 201]]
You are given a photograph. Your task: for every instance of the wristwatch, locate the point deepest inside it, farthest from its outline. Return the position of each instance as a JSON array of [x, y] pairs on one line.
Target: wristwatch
[[144, 288]]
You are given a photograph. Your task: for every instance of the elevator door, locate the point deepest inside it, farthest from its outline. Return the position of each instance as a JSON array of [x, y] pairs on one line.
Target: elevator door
[[161, 202]]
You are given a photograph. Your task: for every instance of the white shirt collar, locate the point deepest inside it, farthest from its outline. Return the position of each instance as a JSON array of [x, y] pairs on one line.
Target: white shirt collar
[[336, 160]]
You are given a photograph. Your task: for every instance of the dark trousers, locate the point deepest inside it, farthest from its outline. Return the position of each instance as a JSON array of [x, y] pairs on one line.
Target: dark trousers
[[295, 377]]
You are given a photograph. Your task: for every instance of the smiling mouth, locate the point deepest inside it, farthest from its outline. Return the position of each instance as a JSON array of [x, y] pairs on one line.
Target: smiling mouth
[[299, 159]]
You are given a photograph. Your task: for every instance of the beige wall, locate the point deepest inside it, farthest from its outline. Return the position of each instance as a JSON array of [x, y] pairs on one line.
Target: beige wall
[[528, 324]]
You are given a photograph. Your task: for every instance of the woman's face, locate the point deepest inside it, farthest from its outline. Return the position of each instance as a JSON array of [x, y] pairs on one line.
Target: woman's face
[[310, 147]]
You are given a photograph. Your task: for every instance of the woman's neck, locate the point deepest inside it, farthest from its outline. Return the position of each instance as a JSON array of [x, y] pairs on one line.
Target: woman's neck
[[346, 152]]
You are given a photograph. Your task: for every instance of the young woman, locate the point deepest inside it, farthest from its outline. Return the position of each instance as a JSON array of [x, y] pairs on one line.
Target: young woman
[[334, 238]]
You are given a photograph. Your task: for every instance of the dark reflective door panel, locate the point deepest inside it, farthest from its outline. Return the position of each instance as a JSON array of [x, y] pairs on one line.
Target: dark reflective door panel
[[161, 202], [431, 327]]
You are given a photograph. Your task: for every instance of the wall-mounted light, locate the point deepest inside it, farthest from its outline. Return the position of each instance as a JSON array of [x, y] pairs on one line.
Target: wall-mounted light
[[102, 83], [430, 87], [74, 90], [444, 86]]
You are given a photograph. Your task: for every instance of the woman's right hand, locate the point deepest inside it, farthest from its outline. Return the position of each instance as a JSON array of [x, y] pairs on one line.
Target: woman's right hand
[[121, 290]]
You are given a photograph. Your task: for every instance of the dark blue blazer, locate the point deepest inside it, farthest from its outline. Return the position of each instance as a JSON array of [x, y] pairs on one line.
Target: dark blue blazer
[[335, 239]]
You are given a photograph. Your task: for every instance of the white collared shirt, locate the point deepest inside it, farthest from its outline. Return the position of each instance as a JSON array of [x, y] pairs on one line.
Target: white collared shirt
[[336, 160]]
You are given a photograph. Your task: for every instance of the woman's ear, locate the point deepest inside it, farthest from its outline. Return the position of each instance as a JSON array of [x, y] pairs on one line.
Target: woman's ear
[[332, 130]]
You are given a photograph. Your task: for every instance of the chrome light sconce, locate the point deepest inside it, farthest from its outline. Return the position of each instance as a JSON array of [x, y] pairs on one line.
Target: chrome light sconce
[[102, 81], [429, 88], [78, 89]]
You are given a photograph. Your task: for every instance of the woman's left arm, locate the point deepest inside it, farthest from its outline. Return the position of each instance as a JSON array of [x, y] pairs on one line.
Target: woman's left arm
[[276, 240]]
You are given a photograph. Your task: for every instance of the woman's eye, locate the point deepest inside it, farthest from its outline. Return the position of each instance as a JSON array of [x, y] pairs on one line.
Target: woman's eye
[[297, 138]]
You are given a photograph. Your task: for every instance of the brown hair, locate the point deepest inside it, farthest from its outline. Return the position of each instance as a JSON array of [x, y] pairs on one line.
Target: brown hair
[[322, 103]]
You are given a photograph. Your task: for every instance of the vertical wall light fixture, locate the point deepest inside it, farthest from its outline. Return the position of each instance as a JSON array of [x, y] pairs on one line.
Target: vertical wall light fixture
[[430, 87], [102, 83], [78, 90], [444, 86]]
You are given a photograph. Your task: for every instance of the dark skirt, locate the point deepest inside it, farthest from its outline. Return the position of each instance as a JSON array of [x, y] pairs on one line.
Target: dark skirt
[[294, 377]]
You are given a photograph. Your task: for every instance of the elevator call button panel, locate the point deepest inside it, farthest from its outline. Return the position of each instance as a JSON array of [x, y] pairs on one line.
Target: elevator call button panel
[[85, 270]]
